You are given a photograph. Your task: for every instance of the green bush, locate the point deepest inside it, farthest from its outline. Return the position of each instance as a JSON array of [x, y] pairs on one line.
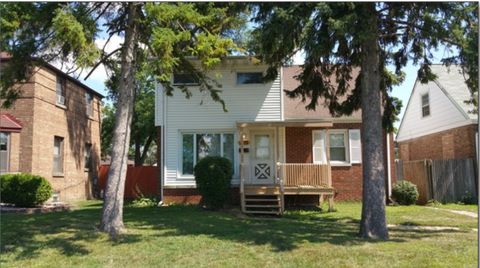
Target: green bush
[[468, 199], [405, 193], [143, 201], [24, 190], [213, 175]]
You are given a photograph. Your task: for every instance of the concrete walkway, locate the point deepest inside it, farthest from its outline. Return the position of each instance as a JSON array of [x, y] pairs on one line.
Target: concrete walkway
[[459, 212]]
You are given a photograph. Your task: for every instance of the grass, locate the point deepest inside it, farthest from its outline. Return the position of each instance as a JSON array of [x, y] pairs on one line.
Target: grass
[[185, 236], [470, 208]]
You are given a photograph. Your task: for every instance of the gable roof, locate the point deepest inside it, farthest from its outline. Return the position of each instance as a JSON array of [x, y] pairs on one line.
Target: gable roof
[[9, 123], [4, 56], [452, 82]]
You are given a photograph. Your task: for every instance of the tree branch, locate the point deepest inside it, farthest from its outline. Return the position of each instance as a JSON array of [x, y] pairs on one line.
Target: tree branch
[[102, 61]]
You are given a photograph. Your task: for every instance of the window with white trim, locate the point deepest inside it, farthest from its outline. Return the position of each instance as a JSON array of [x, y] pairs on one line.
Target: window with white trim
[[344, 146], [60, 90], [425, 105], [196, 146], [89, 104], [57, 155], [338, 145], [87, 155]]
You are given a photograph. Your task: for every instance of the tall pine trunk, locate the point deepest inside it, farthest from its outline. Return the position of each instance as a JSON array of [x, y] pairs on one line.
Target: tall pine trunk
[[112, 214], [373, 223]]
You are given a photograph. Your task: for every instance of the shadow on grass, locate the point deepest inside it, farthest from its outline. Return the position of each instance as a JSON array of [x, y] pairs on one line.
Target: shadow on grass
[[68, 232], [71, 232]]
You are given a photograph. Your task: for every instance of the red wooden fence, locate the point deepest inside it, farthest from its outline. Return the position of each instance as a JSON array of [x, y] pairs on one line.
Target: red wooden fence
[[140, 181]]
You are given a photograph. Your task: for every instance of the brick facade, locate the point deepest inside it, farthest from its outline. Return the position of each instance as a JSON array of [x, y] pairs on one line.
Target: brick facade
[[42, 119], [450, 144], [347, 180]]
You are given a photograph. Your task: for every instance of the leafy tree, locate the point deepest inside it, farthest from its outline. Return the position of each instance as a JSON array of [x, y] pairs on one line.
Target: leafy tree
[[340, 37], [159, 39]]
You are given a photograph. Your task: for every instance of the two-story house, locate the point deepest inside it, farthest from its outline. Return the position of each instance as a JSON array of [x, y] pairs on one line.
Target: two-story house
[[53, 130], [279, 151], [438, 122]]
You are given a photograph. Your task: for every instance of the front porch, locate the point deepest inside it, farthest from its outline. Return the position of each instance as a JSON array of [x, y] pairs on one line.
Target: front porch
[[266, 178]]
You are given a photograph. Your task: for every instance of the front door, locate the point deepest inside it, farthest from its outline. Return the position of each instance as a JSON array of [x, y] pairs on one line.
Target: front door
[[262, 157]]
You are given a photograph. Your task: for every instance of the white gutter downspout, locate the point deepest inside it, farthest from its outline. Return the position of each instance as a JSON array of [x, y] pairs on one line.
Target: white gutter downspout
[[389, 174]]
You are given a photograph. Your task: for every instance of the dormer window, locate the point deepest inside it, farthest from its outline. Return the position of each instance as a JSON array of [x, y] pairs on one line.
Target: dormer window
[[60, 91], [185, 79], [249, 78], [425, 105]]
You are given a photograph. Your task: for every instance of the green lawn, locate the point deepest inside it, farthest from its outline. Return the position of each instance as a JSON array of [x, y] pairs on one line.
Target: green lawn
[[188, 236], [470, 208]]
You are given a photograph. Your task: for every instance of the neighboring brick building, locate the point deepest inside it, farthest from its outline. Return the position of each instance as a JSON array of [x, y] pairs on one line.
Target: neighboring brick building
[[438, 123], [53, 130]]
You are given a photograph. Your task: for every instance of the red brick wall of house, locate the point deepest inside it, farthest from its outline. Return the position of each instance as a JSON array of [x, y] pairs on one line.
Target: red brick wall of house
[[347, 181], [42, 119], [449, 144], [192, 196]]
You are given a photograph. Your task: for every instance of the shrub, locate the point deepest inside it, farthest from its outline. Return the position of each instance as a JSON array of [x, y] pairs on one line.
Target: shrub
[[24, 190], [405, 193], [143, 201], [468, 199], [212, 176]]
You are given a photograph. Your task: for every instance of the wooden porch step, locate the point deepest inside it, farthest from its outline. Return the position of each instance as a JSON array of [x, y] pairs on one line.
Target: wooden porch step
[[262, 212], [262, 199], [262, 206], [262, 190]]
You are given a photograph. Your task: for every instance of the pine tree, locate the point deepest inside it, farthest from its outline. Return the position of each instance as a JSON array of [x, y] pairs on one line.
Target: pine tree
[[159, 39], [338, 37]]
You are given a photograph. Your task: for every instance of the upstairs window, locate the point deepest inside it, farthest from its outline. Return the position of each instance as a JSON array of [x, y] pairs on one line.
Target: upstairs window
[[425, 105], [60, 91], [58, 156], [89, 104], [249, 78], [88, 156], [185, 79]]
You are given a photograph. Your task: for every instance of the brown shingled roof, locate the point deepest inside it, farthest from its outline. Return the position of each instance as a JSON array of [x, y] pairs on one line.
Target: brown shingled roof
[[295, 108]]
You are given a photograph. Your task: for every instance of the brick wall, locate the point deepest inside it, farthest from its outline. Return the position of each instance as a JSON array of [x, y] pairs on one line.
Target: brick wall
[[192, 196], [42, 120], [449, 144], [347, 181]]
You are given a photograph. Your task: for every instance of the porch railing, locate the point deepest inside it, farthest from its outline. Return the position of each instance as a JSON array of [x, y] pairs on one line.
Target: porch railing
[[305, 174]]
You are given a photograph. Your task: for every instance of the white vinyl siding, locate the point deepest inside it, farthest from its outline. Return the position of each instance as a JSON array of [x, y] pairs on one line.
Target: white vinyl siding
[[443, 113], [251, 102]]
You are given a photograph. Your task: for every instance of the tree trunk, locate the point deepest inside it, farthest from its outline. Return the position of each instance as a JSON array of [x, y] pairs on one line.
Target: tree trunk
[[373, 223], [146, 147], [138, 155], [112, 214]]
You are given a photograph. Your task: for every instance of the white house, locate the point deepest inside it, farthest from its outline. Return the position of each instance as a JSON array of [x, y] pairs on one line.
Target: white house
[[275, 146]]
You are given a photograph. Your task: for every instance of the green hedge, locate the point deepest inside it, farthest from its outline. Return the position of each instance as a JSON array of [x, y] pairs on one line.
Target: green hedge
[[405, 193], [24, 190], [212, 176]]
